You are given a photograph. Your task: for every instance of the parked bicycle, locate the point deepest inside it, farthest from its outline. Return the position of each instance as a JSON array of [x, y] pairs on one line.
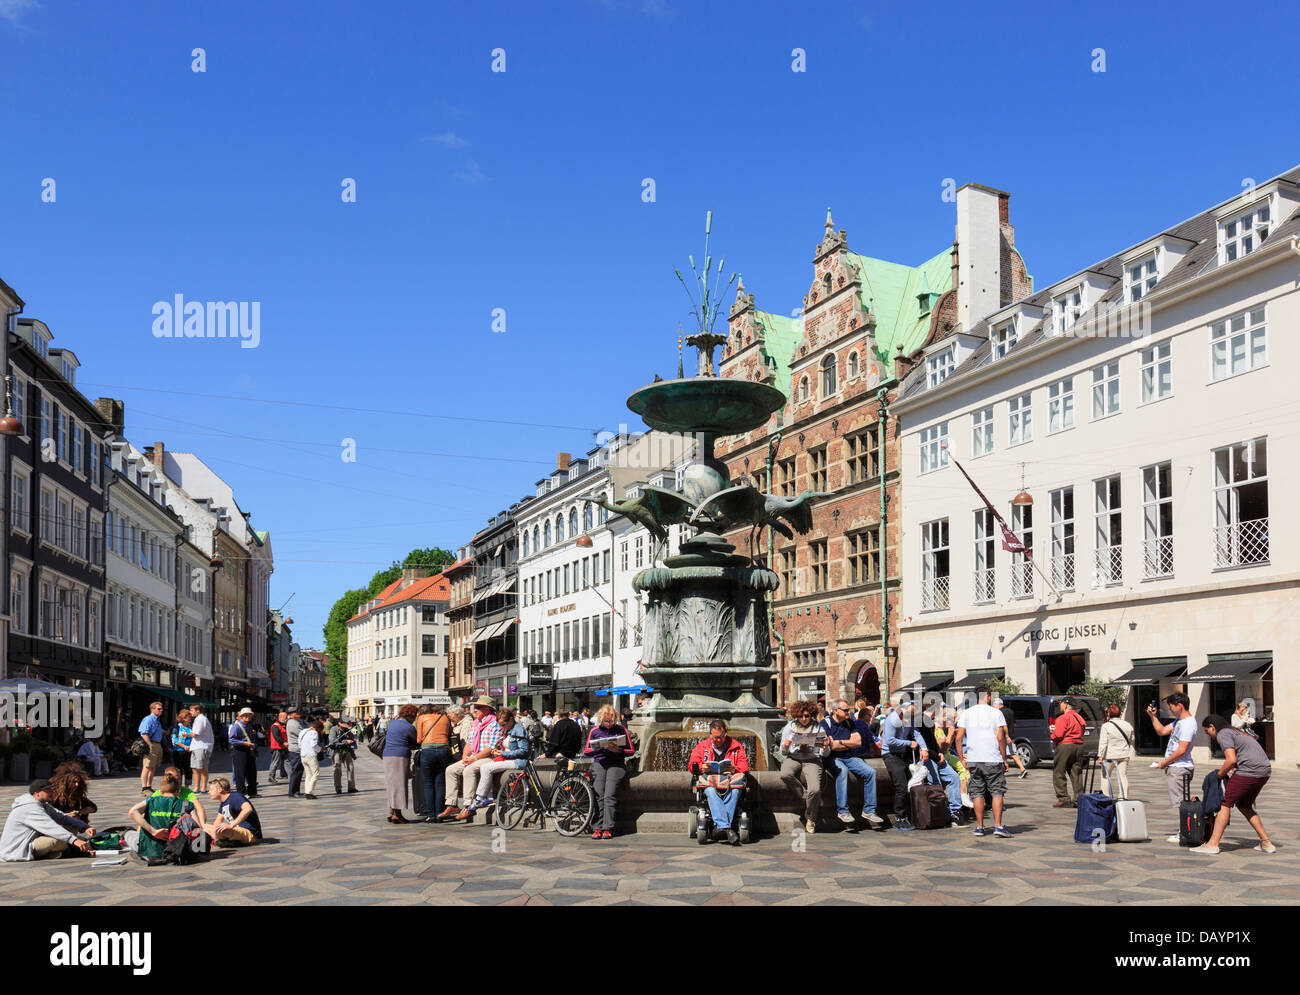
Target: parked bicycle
[[572, 804]]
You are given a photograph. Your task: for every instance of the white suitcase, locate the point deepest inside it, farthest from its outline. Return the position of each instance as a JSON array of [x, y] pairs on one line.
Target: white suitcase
[[1130, 817]]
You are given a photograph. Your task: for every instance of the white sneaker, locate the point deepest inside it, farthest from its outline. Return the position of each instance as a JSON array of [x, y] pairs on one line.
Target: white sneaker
[[810, 826], [873, 819], [1270, 848], [846, 818], [1171, 839]]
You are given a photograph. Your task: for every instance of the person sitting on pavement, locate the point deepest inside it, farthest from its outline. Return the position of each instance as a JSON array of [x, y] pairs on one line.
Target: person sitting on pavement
[[156, 815], [462, 776], [36, 830], [70, 791], [849, 743], [565, 738], [237, 823], [902, 745], [724, 787], [608, 767], [803, 742], [510, 753], [185, 794], [1250, 768]]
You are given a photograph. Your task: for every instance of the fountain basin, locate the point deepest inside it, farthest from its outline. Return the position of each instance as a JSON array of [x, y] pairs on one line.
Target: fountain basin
[[710, 405]]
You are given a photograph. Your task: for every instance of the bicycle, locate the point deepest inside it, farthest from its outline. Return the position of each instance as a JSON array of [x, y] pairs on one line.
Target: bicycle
[[572, 805]]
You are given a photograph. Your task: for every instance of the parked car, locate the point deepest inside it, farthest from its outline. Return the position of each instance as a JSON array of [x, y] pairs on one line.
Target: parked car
[[1034, 715]]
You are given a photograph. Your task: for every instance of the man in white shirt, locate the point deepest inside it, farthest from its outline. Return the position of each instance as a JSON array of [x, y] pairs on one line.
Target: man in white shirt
[[201, 741], [982, 748], [1177, 763]]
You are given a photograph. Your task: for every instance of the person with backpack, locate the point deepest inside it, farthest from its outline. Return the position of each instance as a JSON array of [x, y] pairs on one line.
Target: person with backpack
[[1115, 745], [156, 815], [279, 747], [343, 751], [1246, 761]]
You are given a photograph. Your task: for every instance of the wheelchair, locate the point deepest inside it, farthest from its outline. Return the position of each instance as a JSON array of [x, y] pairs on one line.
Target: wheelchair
[[699, 820]]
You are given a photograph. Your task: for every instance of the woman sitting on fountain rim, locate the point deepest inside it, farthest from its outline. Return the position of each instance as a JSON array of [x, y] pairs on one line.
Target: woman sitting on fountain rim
[[722, 790]]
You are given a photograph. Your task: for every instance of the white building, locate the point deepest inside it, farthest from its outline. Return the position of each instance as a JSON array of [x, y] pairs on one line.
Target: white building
[[261, 565], [1160, 465]]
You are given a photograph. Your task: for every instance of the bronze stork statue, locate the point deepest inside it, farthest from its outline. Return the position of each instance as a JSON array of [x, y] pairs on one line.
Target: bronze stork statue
[[747, 505], [655, 509]]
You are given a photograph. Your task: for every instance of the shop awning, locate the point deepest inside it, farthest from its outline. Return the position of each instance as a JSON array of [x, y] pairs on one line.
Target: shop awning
[[30, 685], [974, 679], [1152, 671], [927, 683], [1231, 667], [633, 689], [481, 634]]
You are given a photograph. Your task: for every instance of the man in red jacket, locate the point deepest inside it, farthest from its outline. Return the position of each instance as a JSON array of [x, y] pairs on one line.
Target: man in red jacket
[[279, 746], [1067, 737], [723, 783]]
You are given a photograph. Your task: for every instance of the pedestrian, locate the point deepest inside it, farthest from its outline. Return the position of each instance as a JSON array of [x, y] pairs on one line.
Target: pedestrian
[[609, 745], [292, 730], [182, 738], [200, 747], [433, 734], [279, 748], [1247, 763], [1177, 763], [243, 754], [982, 748], [237, 822], [1009, 716], [565, 738], [343, 752], [548, 720], [151, 735], [36, 830], [804, 744], [1115, 745], [1067, 737], [398, 744], [309, 745]]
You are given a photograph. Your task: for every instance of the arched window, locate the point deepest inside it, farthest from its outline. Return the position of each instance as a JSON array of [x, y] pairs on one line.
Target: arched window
[[559, 528], [826, 284], [604, 512], [586, 518], [828, 376], [573, 522], [525, 543], [547, 533], [853, 364], [536, 537], [803, 389]]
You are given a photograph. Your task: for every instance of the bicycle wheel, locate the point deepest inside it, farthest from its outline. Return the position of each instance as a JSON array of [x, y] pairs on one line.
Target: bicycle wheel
[[573, 805], [513, 799]]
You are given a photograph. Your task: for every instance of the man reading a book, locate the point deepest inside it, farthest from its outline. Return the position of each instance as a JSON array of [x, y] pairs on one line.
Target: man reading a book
[[722, 767]]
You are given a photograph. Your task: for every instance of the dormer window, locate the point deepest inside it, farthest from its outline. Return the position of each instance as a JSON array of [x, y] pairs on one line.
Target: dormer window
[[1243, 234], [1002, 339], [42, 341], [938, 367], [1066, 310], [69, 372], [1140, 278]]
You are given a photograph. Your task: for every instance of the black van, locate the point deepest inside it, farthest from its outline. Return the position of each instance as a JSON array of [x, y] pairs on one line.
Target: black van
[[1034, 712]]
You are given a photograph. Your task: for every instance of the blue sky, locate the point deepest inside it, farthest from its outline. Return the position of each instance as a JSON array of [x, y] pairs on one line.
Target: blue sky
[[522, 190]]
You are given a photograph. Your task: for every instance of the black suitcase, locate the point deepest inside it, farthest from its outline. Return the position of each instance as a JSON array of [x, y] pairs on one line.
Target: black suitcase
[[929, 805], [1191, 820]]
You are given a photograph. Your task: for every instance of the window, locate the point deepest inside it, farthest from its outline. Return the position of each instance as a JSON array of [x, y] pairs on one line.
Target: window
[[63, 525], [985, 585], [586, 518], [817, 468], [45, 420], [1157, 373], [586, 639], [586, 573], [789, 579], [1002, 338], [803, 390], [18, 501], [1022, 421], [429, 613], [864, 556], [1062, 538], [639, 546], [863, 455], [566, 578], [525, 543], [18, 600], [1238, 344], [938, 367], [62, 446], [547, 534], [1066, 310], [1139, 278], [1105, 390], [1109, 565], [20, 407], [934, 447], [853, 365], [537, 539], [828, 376], [428, 678], [934, 565], [982, 432], [76, 449], [786, 484], [604, 559], [1243, 234], [818, 562], [1241, 504], [622, 556], [573, 521], [559, 528], [1157, 521]]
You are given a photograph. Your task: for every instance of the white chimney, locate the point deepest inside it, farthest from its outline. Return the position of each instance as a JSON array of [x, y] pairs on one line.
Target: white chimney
[[979, 252]]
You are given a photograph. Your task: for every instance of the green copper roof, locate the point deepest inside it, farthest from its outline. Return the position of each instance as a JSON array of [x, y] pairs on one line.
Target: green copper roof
[[781, 337], [893, 290]]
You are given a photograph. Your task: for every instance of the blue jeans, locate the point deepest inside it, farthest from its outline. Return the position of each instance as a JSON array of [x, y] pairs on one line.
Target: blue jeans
[[434, 760], [856, 765], [951, 782], [722, 806]]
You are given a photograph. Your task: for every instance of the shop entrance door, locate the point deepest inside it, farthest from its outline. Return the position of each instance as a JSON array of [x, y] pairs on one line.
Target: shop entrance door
[[1058, 672], [1148, 743]]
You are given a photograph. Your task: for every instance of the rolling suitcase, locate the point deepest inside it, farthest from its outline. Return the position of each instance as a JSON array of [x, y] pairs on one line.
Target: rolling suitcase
[[1096, 818], [1130, 817], [1191, 820], [929, 804]]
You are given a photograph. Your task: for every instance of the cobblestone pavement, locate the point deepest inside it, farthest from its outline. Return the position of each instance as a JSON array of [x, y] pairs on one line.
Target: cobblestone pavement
[[339, 850]]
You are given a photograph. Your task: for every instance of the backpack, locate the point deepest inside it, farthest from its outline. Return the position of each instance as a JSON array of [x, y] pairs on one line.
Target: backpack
[[180, 845]]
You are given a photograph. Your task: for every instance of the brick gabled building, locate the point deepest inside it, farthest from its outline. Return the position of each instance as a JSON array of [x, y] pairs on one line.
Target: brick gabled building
[[864, 323]]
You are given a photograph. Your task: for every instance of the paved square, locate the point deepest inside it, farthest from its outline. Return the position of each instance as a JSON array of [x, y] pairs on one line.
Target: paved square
[[339, 850]]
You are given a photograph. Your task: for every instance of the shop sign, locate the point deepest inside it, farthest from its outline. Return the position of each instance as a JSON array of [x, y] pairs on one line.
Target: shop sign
[[512, 689], [1066, 633], [562, 609]]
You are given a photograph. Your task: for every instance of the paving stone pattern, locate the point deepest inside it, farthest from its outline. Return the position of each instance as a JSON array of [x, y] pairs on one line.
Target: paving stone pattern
[[339, 850]]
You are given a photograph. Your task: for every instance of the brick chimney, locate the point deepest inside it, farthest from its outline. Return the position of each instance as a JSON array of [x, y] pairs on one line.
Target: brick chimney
[[155, 454], [112, 411], [562, 460]]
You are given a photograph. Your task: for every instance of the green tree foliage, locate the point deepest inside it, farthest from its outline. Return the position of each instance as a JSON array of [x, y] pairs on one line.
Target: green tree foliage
[[1000, 687], [1095, 687], [336, 682]]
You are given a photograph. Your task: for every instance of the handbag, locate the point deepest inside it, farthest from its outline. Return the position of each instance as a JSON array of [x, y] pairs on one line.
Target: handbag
[[376, 745], [138, 749]]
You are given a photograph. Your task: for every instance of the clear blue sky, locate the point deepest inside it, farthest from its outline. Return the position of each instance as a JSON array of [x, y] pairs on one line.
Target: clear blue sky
[[522, 190]]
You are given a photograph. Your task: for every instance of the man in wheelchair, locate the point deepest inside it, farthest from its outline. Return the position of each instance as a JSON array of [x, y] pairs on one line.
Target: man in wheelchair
[[719, 768]]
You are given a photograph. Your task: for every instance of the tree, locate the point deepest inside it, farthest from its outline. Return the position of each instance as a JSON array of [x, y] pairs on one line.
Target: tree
[[1096, 687], [1000, 687], [336, 681]]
